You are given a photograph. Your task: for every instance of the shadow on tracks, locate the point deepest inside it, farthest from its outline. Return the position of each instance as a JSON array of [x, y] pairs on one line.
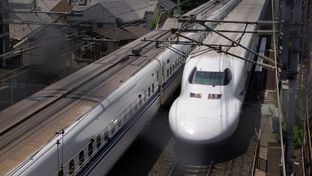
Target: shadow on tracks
[[146, 149]]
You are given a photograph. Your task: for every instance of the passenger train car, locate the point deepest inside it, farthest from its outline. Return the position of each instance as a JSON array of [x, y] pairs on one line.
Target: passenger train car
[[94, 142], [214, 84]]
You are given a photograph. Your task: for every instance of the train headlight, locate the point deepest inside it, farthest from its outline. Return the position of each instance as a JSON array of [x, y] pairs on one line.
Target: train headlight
[[214, 96], [195, 95]]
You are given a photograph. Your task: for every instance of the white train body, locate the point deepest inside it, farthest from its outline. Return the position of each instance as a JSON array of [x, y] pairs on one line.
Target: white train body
[[92, 144], [214, 84]]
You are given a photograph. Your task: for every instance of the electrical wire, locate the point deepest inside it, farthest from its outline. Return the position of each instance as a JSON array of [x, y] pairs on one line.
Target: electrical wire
[[279, 112]]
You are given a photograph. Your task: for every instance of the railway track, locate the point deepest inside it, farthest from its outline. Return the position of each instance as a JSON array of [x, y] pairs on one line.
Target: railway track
[[241, 165], [188, 169]]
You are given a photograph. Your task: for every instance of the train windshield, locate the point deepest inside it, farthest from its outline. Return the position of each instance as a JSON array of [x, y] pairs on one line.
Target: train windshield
[[212, 78]]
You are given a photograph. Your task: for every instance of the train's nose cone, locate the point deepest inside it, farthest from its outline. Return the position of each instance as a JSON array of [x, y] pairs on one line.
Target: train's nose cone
[[197, 127]]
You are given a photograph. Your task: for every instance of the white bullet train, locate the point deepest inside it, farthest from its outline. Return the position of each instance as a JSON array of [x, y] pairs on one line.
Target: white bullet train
[[94, 142], [214, 84]]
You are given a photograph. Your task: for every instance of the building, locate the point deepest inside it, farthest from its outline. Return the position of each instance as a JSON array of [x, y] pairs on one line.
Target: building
[[29, 23], [103, 13]]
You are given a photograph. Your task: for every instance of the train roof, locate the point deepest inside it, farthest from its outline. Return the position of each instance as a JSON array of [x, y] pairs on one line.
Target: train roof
[[254, 11]]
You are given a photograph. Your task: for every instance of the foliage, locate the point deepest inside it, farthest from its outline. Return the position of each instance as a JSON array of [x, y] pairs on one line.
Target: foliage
[[297, 137], [154, 21]]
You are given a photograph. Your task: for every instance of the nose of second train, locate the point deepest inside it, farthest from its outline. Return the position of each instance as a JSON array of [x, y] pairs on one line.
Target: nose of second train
[[198, 127]]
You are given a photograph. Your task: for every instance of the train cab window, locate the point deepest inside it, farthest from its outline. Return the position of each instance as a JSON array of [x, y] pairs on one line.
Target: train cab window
[[192, 75], [149, 91], [98, 141], [212, 78], [71, 167], [90, 147], [81, 158]]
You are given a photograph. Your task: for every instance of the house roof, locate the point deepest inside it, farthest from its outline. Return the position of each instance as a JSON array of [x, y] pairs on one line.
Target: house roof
[[18, 30], [42, 5], [127, 10], [127, 33], [116, 33]]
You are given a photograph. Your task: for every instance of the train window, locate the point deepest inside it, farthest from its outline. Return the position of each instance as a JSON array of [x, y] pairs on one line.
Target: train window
[[145, 94], [71, 167], [90, 147], [192, 75], [106, 135], [212, 78], [61, 172], [170, 70], [163, 71], [140, 101], [228, 76], [113, 130], [168, 61], [98, 141], [81, 158], [167, 73], [157, 74], [119, 123], [153, 88], [149, 91], [124, 118]]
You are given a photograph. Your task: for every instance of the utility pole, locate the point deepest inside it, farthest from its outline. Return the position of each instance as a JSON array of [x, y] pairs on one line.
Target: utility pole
[[4, 29], [291, 11]]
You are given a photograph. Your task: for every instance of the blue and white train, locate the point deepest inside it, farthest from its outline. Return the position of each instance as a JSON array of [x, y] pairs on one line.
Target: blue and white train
[[93, 143]]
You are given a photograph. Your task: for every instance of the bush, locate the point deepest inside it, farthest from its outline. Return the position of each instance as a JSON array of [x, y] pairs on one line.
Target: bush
[[297, 137]]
